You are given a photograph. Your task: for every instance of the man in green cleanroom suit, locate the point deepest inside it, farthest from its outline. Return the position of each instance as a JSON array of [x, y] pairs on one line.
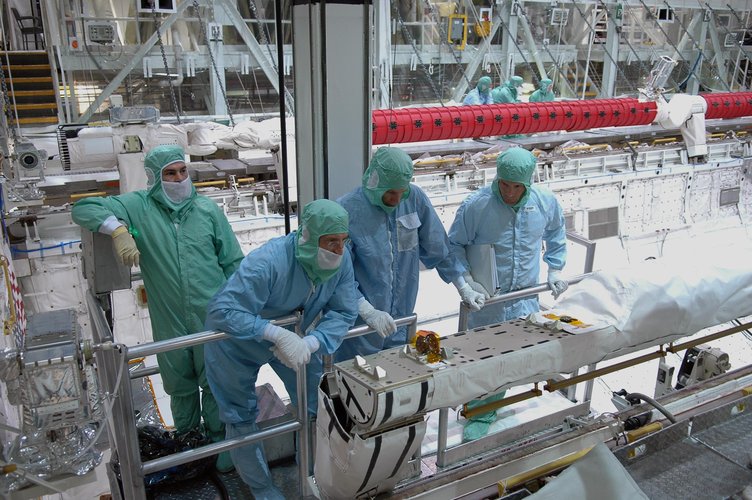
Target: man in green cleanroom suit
[[186, 250]]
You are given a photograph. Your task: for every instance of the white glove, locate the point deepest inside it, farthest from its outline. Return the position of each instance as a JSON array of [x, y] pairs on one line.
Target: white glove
[[556, 283], [473, 299], [290, 349], [312, 343], [477, 287], [380, 321]]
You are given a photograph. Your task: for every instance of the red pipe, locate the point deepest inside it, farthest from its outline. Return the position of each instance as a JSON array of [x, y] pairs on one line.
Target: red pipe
[[392, 126], [728, 105]]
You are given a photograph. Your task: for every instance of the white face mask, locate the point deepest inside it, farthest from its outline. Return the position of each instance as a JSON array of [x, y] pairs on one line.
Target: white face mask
[[177, 192], [328, 260]]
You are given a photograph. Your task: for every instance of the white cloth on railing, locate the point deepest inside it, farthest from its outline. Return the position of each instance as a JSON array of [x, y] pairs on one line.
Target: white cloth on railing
[[652, 303], [665, 298]]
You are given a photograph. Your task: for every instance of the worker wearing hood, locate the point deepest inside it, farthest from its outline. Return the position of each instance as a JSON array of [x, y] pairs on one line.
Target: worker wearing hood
[[544, 93], [309, 271], [515, 218], [481, 94], [394, 229], [186, 250], [508, 92]]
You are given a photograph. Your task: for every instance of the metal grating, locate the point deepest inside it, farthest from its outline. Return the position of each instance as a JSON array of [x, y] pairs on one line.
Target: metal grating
[[703, 458]]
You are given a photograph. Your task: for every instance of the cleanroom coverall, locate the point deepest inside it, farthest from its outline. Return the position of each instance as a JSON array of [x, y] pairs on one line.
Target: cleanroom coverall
[[387, 252], [484, 218], [187, 252], [269, 284]]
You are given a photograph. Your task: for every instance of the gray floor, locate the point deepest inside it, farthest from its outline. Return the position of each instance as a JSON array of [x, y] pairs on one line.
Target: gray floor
[[285, 477]]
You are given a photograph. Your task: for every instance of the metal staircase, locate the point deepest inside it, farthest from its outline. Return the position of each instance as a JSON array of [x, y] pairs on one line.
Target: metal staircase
[[31, 87]]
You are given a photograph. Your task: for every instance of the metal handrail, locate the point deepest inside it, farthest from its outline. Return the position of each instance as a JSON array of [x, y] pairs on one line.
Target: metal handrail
[[127, 443], [516, 294]]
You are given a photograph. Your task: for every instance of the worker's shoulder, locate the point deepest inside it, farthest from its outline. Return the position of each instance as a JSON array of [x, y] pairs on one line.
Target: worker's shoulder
[[352, 199], [479, 198], [206, 204], [544, 197], [542, 192]]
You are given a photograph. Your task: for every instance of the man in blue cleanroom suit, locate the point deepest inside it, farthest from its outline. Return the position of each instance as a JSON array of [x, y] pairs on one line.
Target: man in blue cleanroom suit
[[516, 218], [186, 250], [309, 270], [481, 94], [394, 229], [507, 93]]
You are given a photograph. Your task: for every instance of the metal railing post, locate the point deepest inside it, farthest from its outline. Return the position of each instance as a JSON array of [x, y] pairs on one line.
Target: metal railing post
[[111, 361]]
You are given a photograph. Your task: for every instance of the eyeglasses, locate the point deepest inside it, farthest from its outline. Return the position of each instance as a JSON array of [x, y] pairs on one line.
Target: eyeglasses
[[333, 243]]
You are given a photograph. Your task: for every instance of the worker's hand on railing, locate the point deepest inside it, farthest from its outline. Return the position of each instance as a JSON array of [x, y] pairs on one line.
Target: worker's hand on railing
[[556, 283], [474, 300], [477, 287], [290, 349], [380, 321]]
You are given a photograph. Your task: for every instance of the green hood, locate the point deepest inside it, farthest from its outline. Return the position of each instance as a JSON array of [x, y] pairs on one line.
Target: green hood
[[543, 84], [319, 218], [156, 160], [515, 165], [390, 168], [484, 84]]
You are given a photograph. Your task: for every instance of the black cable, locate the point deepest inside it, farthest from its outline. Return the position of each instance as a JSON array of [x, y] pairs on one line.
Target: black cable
[[444, 39], [202, 25], [217, 481], [655, 404], [409, 37], [626, 40]]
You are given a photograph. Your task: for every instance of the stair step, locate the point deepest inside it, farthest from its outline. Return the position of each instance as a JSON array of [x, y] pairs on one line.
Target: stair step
[[22, 52], [37, 120], [45, 105], [27, 67], [32, 79], [30, 93]]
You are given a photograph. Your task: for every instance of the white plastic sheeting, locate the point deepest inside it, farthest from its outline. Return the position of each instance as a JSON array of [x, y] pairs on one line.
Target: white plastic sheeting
[[654, 302], [596, 475], [665, 299]]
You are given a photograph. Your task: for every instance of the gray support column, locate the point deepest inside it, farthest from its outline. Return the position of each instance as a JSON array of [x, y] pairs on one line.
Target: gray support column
[[719, 54], [217, 78], [532, 46], [508, 49], [609, 63], [383, 54], [698, 29], [331, 51]]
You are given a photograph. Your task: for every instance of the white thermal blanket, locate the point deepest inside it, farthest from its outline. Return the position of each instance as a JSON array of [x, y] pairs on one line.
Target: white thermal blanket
[[645, 305]]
